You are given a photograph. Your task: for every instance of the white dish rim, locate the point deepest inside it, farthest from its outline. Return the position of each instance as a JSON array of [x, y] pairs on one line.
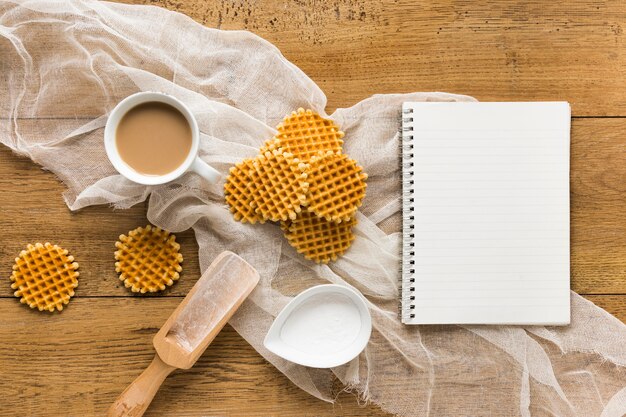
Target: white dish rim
[[274, 343]]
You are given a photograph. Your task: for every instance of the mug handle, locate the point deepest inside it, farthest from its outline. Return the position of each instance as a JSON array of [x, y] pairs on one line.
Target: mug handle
[[205, 170]]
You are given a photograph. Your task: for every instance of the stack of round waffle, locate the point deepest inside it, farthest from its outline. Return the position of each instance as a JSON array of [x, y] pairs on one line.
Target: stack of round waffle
[[301, 178]]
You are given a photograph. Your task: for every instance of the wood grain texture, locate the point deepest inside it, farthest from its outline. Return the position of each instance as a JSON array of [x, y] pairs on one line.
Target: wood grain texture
[[493, 50], [76, 363], [614, 304], [598, 206], [82, 359]]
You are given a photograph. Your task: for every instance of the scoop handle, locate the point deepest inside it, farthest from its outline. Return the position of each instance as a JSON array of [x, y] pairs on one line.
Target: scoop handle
[[135, 399]]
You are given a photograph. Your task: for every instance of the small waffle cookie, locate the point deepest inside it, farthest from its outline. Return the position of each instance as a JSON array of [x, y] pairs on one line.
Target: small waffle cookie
[[337, 186], [319, 240], [304, 133], [44, 276], [278, 185], [237, 192], [148, 259]]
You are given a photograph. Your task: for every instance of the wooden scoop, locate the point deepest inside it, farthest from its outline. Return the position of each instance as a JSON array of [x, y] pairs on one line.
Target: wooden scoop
[[190, 329]]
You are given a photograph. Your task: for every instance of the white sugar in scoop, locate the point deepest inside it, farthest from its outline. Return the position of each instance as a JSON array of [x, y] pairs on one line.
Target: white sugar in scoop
[[190, 329], [208, 306]]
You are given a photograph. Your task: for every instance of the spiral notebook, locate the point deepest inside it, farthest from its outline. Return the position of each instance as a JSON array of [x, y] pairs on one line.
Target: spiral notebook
[[486, 213]]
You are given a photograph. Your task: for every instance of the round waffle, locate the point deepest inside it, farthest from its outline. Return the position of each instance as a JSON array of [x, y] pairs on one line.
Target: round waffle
[[44, 276], [278, 185], [337, 186], [304, 133], [148, 259], [319, 240], [237, 193]]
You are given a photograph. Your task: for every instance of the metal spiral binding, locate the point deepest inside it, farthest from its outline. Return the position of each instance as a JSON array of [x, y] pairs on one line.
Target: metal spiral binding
[[408, 218]]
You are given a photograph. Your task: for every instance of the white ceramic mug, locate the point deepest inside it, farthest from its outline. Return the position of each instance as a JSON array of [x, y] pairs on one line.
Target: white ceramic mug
[[192, 162]]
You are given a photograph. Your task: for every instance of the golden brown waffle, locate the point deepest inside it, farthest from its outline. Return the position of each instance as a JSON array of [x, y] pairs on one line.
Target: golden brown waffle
[[44, 276], [278, 185], [319, 240], [284, 226], [302, 179], [148, 259], [305, 133], [269, 145], [337, 186], [237, 192]]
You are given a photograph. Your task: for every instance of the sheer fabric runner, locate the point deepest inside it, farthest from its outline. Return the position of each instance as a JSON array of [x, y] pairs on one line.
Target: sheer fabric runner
[[66, 64]]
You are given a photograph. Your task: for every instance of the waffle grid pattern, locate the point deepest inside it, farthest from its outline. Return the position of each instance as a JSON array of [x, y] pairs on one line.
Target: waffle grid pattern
[[319, 240], [237, 193], [302, 179], [45, 276], [278, 186], [305, 133], [269, 145], [337, 186], [148, 259]]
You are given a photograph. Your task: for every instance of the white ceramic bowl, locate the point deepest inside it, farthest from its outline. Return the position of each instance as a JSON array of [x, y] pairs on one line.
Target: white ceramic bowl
[[323, 327]]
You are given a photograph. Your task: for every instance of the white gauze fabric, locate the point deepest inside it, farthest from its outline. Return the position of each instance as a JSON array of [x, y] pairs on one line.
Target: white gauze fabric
[[64, 66]]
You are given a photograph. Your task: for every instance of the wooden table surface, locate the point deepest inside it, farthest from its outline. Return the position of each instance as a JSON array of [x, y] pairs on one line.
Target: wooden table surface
[[77, 362]]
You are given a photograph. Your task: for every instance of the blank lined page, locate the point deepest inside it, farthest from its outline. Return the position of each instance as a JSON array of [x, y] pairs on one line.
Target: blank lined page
[[490, 238]]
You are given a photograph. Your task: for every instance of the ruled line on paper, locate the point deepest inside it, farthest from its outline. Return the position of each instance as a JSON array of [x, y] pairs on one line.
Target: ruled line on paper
[[491, 212]]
